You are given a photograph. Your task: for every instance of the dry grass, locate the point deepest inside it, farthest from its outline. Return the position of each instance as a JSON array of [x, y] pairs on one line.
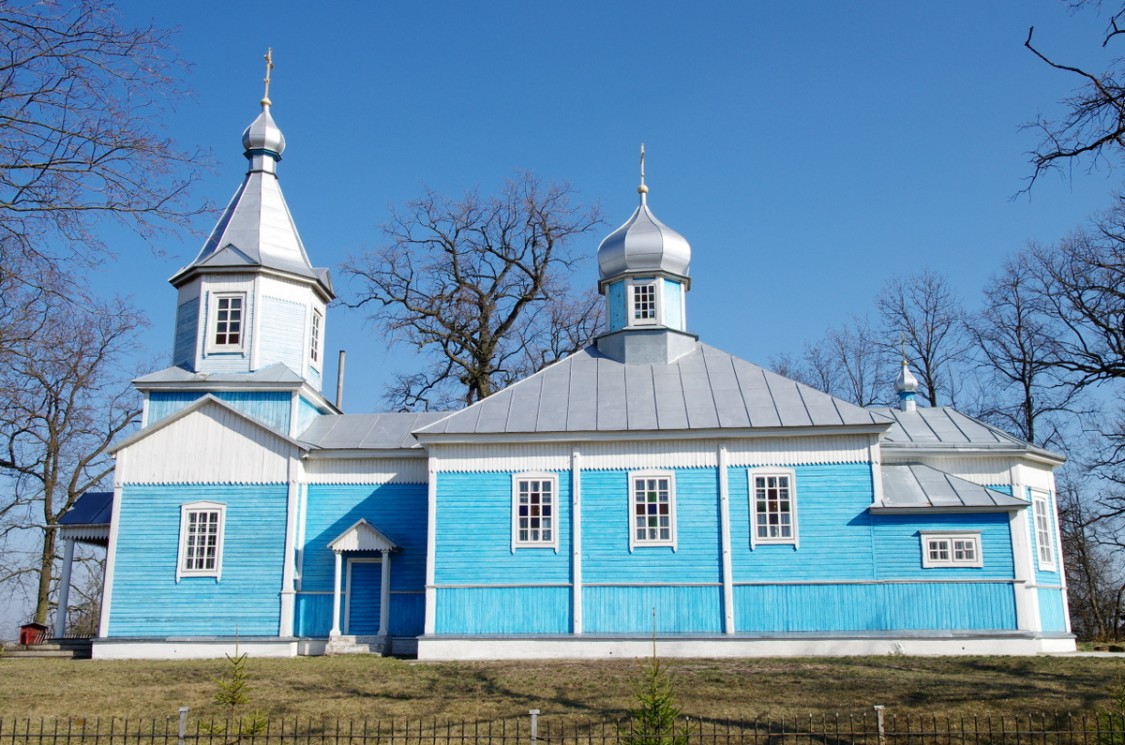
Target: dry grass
[[382, 689]]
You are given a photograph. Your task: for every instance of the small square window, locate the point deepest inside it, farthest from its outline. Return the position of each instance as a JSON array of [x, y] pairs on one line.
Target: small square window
[[534, 511], [951, 550], [227, 322], [201, 540]]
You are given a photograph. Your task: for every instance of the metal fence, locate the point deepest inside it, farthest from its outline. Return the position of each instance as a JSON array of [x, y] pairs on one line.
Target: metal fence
[[867, 729]]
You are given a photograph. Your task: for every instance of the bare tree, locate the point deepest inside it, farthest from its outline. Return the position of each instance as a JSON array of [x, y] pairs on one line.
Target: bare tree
[[79, 132], [63, 401], [1015, 337], [922, 313], [849, 363], [481, 286], [1094, 121]]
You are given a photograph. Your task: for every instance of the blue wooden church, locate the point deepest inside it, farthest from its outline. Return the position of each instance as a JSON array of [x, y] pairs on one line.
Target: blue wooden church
[[649, 476]]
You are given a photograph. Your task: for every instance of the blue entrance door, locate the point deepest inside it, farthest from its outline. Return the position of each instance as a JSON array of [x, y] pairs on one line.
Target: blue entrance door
[[363, 598]]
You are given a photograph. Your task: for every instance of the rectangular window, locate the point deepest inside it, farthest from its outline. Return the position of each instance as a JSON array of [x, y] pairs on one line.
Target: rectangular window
[[201, 540], [226, 321], [1044, 543], [314, 337], [644, 303], [534, 518], [773, 504], [951, 550], [653, 509]]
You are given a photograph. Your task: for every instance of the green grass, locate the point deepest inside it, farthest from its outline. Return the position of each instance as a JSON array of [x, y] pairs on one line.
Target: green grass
[[384, 689]]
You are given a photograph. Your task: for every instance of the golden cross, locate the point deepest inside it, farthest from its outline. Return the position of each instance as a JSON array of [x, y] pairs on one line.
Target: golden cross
[[269, 66]]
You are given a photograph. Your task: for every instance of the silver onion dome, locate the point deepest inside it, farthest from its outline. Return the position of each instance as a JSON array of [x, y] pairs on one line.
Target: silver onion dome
[[264, 134], [643, 243]]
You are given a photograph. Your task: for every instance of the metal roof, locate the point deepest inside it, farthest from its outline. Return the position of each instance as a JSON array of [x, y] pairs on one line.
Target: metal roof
[[367, 431], [703, 390], [943, 427], [92, 508], [915, 486], [278, 372]]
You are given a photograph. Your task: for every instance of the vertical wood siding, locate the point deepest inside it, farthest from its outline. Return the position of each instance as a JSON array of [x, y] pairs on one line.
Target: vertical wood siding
[[147, 600], [1043, 576], [271, 408], [363, 597], [833, 525], [369, 471], [312, 615], [306, 414], [629, 610], [474, 534], [399, 511], [281, 333], [983, 471], [616, 306], [187, 328], [673, 305], [1052, 609], [503, 610], [875, 607]]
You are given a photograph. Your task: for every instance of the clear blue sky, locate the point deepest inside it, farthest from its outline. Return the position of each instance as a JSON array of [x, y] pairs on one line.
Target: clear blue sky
[[808, 151]]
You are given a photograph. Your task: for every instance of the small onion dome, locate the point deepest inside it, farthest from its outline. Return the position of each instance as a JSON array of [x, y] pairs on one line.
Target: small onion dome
[[906, 382], [644, 244], [264, 134]]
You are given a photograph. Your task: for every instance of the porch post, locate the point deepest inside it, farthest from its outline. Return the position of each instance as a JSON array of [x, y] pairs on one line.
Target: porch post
[[385, 593], [64, 588], [335, 632]]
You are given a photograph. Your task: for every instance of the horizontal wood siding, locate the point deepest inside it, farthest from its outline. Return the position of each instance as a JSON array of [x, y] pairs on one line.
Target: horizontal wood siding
[[606, 524], [474, 534], [281, 333], [187, 330], [629, 610], [1052, 609], [833, 527], [147, 600], [875, 607], [271, 408], [396, 510], [899, 545], [503, 610], [363, 598], [1043, 576]]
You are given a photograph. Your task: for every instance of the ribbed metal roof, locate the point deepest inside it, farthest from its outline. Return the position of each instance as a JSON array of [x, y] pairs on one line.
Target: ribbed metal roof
[[915, 486], [367, 431], [92, 508], [705, 389], [943, 427], [278, 372]]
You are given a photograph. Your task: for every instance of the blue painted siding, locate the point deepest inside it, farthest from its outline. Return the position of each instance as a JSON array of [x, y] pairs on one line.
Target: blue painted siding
[[606, 525], [875, 607], [1052, 609], [503, 610], [312, 615], [147, 600], [306, 414], [1043, 576], [399, 512], [271, 408], [408, 613], [616, 306], [363, 597], [1002, 488], [833, 525], [630, 609], [899, 547], [187, 328], [673, 305], [474, 534]]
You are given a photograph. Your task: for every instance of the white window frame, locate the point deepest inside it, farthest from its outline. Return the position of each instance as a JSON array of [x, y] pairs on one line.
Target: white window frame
[[213, 322], [1044, 527], [316, 329], [540, 476], [186, 511], [929, 538], [631, 287], [634, 541], [794, 539]]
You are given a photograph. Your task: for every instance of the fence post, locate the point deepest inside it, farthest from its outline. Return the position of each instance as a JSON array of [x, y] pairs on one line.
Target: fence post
[[881, 724], [183, 726], [534, 724]]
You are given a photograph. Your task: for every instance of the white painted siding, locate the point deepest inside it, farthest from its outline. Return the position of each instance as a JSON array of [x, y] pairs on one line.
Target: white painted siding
[[187, 329], [983, 470], [366, 470], [280, 337], [652, 453], [211, 445]]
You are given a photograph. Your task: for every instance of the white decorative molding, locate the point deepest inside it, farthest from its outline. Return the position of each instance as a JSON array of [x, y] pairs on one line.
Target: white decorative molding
[[375, 471]]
